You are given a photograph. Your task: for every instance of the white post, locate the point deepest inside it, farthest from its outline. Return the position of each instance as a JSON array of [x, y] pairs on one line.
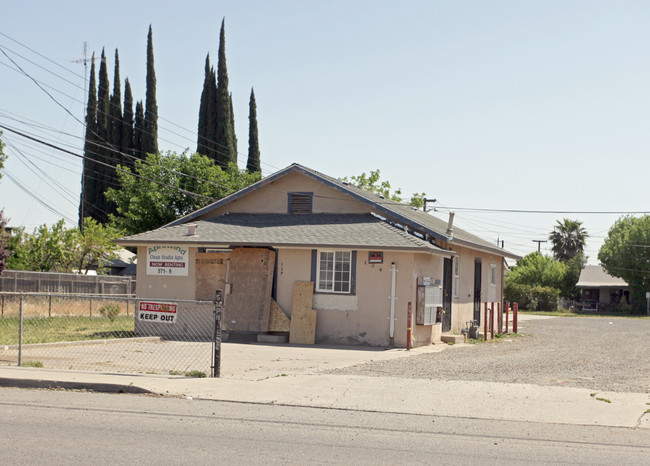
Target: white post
[[393, 271]]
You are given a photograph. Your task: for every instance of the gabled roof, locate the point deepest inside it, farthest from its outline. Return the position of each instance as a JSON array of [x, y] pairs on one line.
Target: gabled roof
[[401, 214], [354, 231], [594, 276]]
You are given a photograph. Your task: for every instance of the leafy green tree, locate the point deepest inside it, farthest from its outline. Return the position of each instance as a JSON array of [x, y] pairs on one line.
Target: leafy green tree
[[58, 249], [536, 282], [150, 130], [225, 133], [568, 239], [373, 184], [253, 164], [3, 156], [5, 253], [169, 186], [626, 254]]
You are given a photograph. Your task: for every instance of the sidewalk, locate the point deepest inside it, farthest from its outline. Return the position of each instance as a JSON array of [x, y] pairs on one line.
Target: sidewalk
[[294, 376]]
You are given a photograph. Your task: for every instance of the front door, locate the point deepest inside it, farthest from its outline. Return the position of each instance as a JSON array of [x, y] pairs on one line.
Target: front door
[[477, 291], [446, 295]]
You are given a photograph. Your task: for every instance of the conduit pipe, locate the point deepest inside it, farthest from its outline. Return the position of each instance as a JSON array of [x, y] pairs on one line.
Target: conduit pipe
[[393, 273]]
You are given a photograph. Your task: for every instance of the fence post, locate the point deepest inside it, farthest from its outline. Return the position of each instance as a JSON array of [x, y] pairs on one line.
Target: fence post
[[492, 320], [216, 343], [515, 311], [20, 330], [507, 317], [91, 307], [485, 323], [49, 309], [3, 306]]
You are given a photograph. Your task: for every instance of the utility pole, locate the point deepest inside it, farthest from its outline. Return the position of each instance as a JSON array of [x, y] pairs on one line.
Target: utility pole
[[539, 244], [425, 203]]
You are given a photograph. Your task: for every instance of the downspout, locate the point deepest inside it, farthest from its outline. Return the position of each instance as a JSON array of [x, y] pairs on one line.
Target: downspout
[[393, 273]]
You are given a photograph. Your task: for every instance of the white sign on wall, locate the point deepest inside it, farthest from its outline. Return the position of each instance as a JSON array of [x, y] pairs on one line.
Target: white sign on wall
[[167, 260], [156, 311]]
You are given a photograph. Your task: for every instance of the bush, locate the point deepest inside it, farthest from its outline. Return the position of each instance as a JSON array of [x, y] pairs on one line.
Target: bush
[[532, 298], [111, 311]]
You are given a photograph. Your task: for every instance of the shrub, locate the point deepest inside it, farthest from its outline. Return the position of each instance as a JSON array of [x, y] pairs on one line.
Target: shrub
[[532, 298], [111, 311]]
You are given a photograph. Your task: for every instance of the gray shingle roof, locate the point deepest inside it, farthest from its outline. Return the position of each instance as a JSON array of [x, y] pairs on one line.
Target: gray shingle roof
[[594, 276], [396, 212], [361, 231]]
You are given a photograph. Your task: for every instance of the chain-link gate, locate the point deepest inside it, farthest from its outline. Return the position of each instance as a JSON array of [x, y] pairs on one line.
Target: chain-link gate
[[110, 333]]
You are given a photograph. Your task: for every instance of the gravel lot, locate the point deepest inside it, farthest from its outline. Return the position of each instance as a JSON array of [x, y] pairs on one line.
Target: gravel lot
[[611, 354]]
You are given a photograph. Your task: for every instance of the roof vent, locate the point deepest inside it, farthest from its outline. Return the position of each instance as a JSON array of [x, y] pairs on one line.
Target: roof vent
[[300, 203], [191, 229]]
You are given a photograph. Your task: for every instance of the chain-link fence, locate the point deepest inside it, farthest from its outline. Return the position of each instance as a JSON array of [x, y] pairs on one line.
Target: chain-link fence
[[109, 333]]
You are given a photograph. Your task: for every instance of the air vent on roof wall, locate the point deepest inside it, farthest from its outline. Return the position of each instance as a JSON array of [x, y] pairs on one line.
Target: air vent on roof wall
[[300, 203]]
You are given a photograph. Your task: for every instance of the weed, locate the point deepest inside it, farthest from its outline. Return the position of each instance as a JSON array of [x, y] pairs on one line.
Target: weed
[[647, 411], [450, 343], [110, 311], [175, 373], [197, 374], [604, 399], [592, 395], [32, 364]]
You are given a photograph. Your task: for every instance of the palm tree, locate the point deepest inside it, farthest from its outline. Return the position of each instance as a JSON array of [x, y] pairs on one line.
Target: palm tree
[[568, 239]]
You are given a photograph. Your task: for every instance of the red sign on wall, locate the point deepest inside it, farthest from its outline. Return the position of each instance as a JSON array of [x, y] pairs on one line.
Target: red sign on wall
[[375, 257]]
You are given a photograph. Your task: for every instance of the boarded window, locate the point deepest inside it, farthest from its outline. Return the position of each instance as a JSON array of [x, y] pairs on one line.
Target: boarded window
[[300, 203]]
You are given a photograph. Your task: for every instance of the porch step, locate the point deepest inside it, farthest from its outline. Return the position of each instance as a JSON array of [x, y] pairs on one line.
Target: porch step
[[272, 338], [452, 339]]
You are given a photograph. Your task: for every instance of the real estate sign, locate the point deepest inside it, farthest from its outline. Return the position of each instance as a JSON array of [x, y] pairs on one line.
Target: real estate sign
[[156, 311], [167, 260]]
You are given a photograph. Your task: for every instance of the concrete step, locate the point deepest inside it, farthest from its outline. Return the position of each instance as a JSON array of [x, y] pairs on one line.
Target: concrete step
[[452, 338], [272, 338]]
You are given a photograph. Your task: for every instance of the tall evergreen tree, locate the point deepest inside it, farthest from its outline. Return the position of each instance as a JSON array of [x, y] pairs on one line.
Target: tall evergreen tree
[[202, 138], [115, 129], [232, 125], [138, 131], [103, 173], [88, 175], [253, 164], [150, 134], [126, 142], [224, 131]]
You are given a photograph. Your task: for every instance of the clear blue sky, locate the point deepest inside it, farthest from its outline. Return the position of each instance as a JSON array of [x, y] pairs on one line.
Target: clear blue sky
[[523, 105]]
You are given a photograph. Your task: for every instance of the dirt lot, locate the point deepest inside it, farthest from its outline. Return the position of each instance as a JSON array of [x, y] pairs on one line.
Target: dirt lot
[[598, 353]]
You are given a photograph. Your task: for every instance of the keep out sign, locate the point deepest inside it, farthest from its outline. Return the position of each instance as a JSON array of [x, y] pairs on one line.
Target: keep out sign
[[154, 311]]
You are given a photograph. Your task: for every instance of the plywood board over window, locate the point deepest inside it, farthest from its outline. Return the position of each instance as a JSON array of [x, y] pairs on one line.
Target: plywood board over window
[[210, 274], [248, 305]]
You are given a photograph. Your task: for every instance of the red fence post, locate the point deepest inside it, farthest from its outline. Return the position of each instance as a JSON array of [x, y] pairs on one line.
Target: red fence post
[[515, 310], [409, 318], [485, 323], [492, 321], [507, 312], [499, 319]]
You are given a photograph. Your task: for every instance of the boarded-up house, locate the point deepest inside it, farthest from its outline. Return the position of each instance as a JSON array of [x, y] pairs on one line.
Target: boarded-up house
[[367, 259]]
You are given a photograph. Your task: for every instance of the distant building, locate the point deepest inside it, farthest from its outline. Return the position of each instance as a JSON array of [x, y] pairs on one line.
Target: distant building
[[601, 291]]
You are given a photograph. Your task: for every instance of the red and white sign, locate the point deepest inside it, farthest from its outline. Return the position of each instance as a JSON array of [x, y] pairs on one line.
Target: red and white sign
[[156, 311], [167, 260]]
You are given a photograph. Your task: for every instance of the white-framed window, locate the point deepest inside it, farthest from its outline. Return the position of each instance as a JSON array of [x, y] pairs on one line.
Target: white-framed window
[[334, 271], [457, 277], [493, 275]]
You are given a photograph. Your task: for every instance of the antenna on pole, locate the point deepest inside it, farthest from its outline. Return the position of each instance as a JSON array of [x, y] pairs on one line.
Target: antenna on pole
[[539, 244], [85, 61]]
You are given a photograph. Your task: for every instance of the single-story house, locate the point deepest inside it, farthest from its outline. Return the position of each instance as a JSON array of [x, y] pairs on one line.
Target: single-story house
[[599, 290], [368, 260]]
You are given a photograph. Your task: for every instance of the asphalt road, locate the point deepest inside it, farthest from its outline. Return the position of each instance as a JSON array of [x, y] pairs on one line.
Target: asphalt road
[[57, 427], [610, 354]]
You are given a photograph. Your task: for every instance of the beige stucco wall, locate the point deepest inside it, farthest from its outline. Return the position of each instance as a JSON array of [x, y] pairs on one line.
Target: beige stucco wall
[[463, 305], [273, 198]]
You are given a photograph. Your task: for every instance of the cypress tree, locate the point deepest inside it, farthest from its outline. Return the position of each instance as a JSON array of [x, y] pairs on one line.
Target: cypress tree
[[86, 202], [253, 164], [138, 128], [224, 131], [232, 125], [202, 139], [126, 142], [102, 172], [150, 134], [115, 128]]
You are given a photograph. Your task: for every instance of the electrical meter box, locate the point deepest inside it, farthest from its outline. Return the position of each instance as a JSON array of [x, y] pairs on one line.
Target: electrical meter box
[[429, 299]]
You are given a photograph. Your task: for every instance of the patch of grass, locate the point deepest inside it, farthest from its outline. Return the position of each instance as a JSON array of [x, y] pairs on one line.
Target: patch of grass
[[56, 329], [603, 399], [197, 374], [175, 373], [647, 411], [450, 343], [32, 364]]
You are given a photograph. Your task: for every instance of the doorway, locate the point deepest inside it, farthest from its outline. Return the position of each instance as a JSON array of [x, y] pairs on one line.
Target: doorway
[[446, 294], [477, 291]]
